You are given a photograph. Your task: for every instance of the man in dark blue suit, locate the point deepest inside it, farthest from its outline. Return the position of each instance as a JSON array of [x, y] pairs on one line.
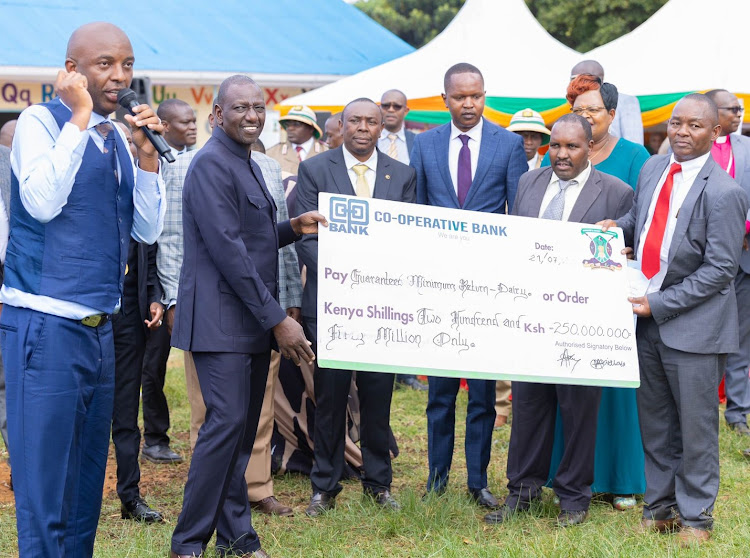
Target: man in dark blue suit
[[471, 164], [229, 316]]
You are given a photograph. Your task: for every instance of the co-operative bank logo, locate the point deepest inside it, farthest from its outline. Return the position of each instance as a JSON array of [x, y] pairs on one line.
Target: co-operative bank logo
[[349, 215]]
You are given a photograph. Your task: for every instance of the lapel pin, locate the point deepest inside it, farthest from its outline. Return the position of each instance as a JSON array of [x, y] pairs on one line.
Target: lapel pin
[[387, 176]]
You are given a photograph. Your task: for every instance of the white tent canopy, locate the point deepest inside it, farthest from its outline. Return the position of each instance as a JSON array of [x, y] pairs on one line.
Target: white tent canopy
[[502, 38], [688, 45]]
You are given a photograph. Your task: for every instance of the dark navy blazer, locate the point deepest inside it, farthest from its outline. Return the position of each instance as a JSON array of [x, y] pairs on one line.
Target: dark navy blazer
[[227, 299]]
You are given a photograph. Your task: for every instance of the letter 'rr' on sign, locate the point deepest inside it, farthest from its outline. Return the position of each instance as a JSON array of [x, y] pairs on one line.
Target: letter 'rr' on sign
[[406, 288]]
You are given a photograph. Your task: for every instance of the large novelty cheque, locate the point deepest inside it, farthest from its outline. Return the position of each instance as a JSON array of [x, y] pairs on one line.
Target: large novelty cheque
[[442, 292]]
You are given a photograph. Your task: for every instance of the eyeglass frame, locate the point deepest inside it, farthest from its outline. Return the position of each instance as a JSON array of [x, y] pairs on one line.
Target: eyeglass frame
[[739, 109], [395, 106]]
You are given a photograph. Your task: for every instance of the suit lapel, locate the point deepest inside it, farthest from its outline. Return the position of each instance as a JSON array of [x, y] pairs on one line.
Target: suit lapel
[[487, 147], [382, 178], [538, 189], [590, 191], [645, 197], [686, 209], [340, 174], [442, 147]]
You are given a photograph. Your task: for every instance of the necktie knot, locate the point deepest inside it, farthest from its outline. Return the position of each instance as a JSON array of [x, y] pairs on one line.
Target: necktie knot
[[674, 169], [298, 148], [362, 187], [392, 137], [104, 128], [360, 169], [565, 184], [464, 139]]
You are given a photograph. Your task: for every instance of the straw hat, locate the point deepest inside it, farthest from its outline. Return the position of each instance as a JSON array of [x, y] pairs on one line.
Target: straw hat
[[303, 114], [528, 120]]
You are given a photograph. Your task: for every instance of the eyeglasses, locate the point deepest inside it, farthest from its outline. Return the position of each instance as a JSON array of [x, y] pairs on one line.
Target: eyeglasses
[[736, 110], [394, 106], [580, 111]]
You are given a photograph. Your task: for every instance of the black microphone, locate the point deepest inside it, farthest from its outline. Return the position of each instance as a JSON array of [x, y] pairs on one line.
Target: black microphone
[[129, 100]]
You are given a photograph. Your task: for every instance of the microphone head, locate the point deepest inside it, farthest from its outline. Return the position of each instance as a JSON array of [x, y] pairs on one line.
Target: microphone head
[[126, 97]]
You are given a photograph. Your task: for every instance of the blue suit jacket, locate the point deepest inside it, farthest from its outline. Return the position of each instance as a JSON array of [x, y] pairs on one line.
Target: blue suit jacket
[[501, 163], [227, 299]]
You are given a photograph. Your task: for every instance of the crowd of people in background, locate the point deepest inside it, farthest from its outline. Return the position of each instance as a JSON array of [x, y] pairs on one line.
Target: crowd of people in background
[[111, 256]]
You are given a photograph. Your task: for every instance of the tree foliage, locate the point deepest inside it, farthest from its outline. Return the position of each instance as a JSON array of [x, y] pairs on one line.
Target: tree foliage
[[580, 24], [416, 21], [587, 24]]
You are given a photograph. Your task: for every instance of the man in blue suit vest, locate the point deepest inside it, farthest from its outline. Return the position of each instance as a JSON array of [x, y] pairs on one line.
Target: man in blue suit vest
[[228, 315], [76, 199], [470, 164]]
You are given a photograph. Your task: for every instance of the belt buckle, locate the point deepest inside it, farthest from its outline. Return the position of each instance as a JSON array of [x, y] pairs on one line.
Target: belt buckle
[[95, 320]]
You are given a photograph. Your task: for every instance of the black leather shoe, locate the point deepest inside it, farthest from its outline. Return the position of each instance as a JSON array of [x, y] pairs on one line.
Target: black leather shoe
[[319, 503], [500, 515], [569, 518], [383, 499], [160, 454], [138, 510], [260, 553], [484, 498], [173, 554], [413, 383], [740, 428]]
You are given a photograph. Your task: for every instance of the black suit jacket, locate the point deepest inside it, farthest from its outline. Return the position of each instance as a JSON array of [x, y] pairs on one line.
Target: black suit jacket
[[229, 283], [327, 172]]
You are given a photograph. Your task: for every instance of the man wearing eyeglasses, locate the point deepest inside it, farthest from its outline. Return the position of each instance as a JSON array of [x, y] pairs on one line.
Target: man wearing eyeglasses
[[396, 140], [731, 152]]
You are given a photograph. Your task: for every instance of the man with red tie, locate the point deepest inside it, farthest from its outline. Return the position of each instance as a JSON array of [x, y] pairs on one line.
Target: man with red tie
[[686, 228]]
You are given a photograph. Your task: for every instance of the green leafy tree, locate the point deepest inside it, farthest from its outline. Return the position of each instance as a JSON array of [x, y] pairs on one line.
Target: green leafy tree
[[416, 21], [587, 24]]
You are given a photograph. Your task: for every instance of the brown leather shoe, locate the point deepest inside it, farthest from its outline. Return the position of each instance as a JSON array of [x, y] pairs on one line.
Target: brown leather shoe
[[320, 503], [271, 506], [260, 553], [173, 554], [691, 536], [661, 525]]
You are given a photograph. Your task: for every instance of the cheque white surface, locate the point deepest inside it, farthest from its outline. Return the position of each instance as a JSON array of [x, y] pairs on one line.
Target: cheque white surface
[[443, 292]]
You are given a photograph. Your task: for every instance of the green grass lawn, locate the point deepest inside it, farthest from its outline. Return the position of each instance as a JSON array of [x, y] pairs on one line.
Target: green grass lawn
[[448, 526]]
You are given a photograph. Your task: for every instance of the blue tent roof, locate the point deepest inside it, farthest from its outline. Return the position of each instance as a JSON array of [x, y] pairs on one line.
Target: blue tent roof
[[253, 36]]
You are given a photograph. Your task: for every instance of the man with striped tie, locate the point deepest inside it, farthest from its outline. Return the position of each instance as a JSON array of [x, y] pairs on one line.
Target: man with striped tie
[[395, 140]]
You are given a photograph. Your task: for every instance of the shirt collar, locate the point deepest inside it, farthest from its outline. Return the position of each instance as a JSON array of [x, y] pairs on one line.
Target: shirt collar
[[692, 166], [236, 148], [350, 160], [581, 179], [475, 133], [307, 146], [400, 134], [723, 139]]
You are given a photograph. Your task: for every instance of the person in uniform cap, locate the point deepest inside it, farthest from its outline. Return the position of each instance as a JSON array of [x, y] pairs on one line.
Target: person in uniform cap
[[529, 124], [302, 140]]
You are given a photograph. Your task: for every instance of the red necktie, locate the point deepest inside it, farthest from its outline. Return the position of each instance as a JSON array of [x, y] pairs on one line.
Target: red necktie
[[651, 259], [299, 149]]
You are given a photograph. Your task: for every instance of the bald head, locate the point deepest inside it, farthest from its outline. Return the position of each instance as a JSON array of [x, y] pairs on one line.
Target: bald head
[[7, 131], [103, 54], [693, 127], [588, 67]]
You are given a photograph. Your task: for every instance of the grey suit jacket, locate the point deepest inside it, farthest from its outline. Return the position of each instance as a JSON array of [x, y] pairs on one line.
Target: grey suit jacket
[[5, 177], [696, 308], [327, 173], [602, 197], [741, 153]]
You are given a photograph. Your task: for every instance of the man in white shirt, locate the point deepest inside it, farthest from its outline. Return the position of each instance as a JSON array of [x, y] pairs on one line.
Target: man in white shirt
[[395, 140], [76, 199], [686, 228], [355, 168], [180, 130]]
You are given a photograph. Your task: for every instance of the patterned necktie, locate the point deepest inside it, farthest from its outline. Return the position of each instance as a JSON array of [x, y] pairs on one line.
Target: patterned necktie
[[555, 208], [363, 188], [107, 131], [392, 149], [651, 258], [464, 169], [299, 152]]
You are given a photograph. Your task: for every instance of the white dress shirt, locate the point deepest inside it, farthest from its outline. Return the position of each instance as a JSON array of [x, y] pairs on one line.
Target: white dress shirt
[[372, 165], [455, 145], [402, 152], [46, 160], [571, 192], [682, 182], [306, 147], [533, 161]]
